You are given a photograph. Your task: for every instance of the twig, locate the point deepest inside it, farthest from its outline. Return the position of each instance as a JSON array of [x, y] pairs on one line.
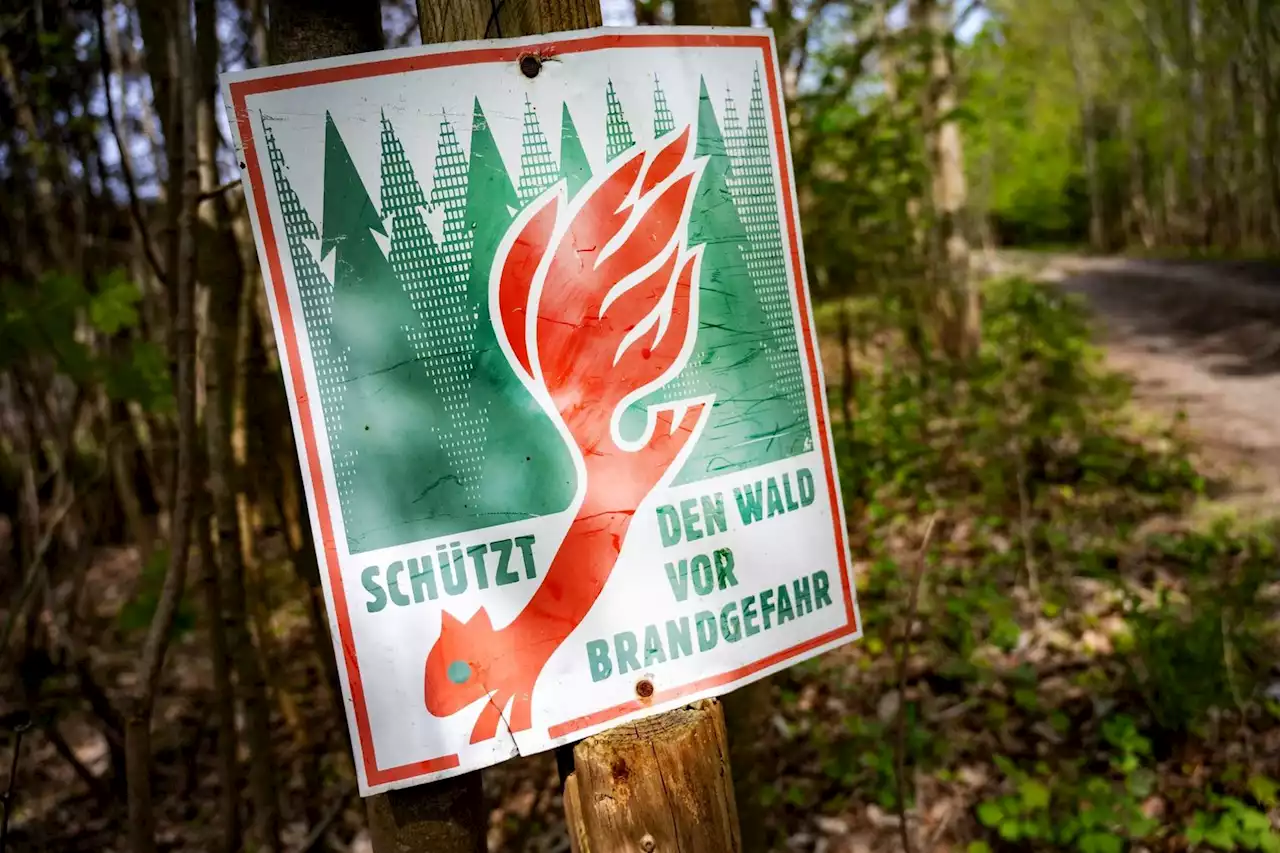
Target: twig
[[317, 833], [1024, 525], [126, 162], [218, 190], [900, 746], [19, 726]]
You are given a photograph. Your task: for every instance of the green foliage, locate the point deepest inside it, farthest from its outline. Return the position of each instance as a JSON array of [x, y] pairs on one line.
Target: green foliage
[[1201, 646], [1034, 405], [1183, 638], [137, 613], [1075, 809], [89, 333], [1231, 824]]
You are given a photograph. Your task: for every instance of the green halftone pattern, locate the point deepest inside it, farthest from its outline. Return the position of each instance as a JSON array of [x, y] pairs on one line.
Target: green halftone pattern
[[537, 167], [443, 339], [663, 121], [618, 135], [754, 192]]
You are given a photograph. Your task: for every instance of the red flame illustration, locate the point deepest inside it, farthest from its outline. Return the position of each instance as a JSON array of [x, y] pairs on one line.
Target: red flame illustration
[[597, 301]]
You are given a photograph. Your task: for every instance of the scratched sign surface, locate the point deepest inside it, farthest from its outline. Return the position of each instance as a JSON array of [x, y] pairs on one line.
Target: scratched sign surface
[[554, 379]]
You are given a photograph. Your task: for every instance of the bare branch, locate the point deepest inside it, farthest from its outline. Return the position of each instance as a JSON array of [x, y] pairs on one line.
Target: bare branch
[[126, 161], [900, 746]]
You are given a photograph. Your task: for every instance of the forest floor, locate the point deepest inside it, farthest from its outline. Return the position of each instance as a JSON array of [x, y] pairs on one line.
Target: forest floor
[[1050, 697]]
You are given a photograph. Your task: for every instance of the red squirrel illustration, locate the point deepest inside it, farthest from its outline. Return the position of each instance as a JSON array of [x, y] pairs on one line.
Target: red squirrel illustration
[[597, 302]]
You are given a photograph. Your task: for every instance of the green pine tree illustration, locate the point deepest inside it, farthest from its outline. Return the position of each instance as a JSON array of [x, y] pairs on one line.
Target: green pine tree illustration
[[447, 325], [618, 134], [537, 166], [528, 470], [574, 167], [751, 422], [756, 195], [315, 291], [401, 485], [663, 121]]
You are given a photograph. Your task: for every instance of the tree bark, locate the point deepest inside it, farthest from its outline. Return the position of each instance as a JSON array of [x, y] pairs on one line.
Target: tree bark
[[1089, 137], [224, 710], [182, 273], [705, 13], [1197, 150], [1266, 116], [949, 248], [222, 275], [660, 784]]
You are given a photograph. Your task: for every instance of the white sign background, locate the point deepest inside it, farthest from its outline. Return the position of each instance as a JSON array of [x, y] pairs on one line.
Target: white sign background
[[396, 740]]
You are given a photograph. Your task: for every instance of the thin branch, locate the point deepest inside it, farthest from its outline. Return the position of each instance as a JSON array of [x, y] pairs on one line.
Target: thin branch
[[126, 162], [967, 13], [316, 836], [218, 190], [900, 745]]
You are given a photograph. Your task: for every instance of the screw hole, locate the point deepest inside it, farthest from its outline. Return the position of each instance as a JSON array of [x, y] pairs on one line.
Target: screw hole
[[530, 65]]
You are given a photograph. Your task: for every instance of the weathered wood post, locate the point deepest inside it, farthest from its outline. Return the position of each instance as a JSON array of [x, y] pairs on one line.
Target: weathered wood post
[[658, 784]]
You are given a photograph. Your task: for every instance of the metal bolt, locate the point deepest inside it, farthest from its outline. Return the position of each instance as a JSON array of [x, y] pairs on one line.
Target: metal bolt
[[647, 844], [644, 688], [530, 65]]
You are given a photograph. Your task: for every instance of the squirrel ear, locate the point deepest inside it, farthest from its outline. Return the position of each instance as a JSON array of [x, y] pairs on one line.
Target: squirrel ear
[[448, 622]]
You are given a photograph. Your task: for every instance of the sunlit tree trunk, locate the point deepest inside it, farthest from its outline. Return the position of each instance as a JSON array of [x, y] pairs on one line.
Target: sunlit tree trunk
[[957, 293]]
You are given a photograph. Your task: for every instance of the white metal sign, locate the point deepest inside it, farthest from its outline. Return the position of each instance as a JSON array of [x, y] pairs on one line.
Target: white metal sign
[[554, 378]]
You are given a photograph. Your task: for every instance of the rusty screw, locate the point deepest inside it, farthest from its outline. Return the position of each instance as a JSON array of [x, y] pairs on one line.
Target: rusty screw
[[530, 65], [647, 844], [644, 688]]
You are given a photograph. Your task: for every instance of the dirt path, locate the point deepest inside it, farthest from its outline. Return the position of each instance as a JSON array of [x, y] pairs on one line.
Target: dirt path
[[1203, 338]]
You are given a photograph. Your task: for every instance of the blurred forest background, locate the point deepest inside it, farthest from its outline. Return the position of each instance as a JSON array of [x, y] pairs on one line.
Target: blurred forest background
[[1069, 591]]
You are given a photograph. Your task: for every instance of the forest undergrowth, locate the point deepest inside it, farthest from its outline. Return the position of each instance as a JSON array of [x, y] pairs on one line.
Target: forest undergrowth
[[1087, 663]]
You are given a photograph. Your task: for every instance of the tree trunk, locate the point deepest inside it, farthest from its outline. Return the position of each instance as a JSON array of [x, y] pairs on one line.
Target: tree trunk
[[224, 710], [182, 272], [1089, 136], [222, 274], [949, 249], [1197, 148], [705, 13], [1266, 118]]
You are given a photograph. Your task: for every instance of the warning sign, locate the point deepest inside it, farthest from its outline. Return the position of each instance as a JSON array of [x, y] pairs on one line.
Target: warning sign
[[555, 381]]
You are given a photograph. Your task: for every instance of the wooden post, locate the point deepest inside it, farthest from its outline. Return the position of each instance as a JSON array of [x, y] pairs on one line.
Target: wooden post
[[657, 785]]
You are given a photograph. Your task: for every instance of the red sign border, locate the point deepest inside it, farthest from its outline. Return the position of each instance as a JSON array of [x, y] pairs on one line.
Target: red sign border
[[279, 293]]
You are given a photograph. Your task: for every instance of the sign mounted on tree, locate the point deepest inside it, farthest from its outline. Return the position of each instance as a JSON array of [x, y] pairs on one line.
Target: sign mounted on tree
[[555, 381]]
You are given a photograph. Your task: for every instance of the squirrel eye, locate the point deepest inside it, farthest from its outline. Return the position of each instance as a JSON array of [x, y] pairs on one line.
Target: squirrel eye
[[459, 671]]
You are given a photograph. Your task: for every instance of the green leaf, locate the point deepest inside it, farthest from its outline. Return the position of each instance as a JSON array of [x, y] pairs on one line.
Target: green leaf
[[1264, 790], [1100, 842], [990, 814], [978, 847], [113, 308], [1034, 794]]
